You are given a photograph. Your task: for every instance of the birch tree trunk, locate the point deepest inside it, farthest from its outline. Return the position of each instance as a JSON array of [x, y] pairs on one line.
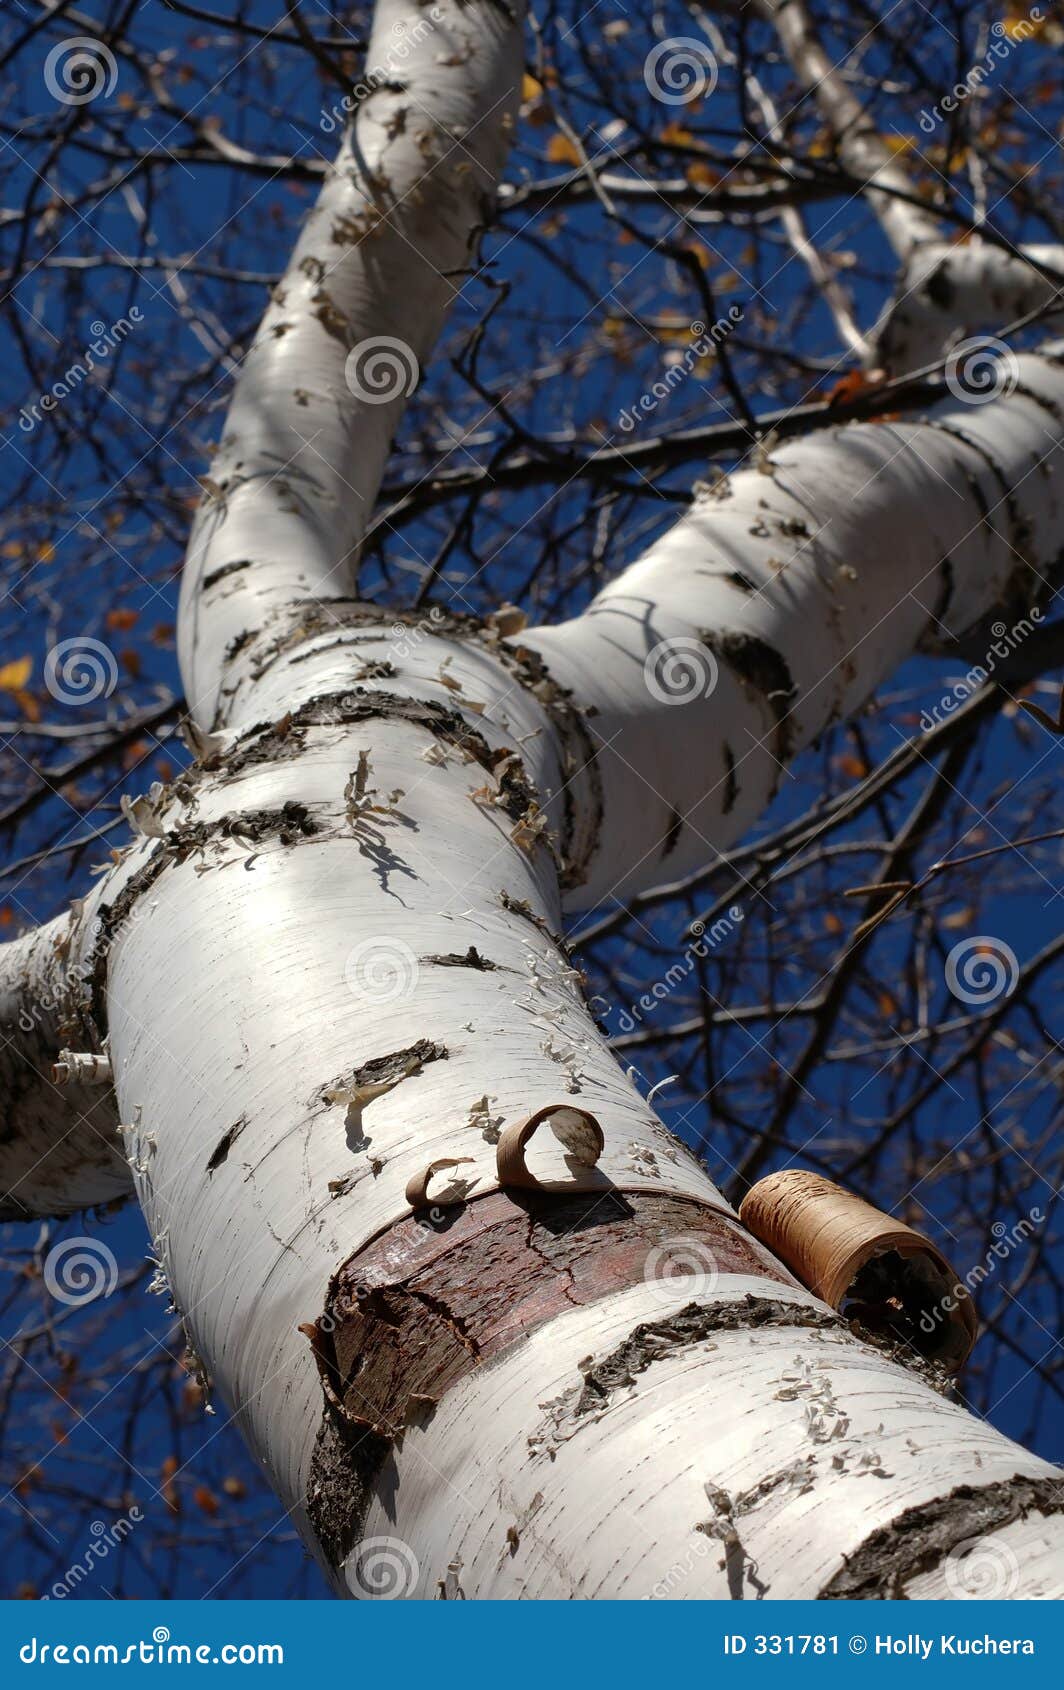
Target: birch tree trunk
[[330, 972]]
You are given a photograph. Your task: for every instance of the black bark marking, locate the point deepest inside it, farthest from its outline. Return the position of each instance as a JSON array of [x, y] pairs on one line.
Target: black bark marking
[[522, 907], [694, 1323], [938, 287], [920, 1538], [291, 821], [385, 1070], [743, 582], [225, 1144], [269, 742], [731, 780], [237, 644], [346, 1463], [762, 669], [221, 573], [580, 831], [456, 959], [672, 833]]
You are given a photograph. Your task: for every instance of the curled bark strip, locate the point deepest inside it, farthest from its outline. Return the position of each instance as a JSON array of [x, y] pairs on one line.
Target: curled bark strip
[[417, 1186], [863, 1262], [575, 1129], [90, 1069]]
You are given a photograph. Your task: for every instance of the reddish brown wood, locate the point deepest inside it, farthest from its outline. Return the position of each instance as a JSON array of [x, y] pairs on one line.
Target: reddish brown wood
[[432, 1299]]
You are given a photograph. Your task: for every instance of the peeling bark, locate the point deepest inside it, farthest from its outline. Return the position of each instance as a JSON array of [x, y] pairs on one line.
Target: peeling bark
[[915, 1542]]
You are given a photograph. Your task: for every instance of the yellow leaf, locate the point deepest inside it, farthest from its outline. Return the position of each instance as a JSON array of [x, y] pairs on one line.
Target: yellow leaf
[[560, 150], [530, 88], [959, 918], [13, 676]]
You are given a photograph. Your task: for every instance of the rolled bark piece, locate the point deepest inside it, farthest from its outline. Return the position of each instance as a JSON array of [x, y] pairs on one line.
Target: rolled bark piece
[[864, 1262], [86, 1066], [417, 1186], [575, 1129]]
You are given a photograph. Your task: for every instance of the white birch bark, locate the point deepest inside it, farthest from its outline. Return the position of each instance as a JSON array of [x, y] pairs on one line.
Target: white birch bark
[[784, 597], [947, 293], [330, 962], [382, 255], [59, 1149], [862, 149]]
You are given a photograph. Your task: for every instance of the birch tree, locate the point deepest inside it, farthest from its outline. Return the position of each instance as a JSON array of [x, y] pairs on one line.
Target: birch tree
[[489, 1327]]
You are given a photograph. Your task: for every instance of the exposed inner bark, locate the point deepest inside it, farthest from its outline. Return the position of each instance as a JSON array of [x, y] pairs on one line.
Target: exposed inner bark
[[433, 1299]]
